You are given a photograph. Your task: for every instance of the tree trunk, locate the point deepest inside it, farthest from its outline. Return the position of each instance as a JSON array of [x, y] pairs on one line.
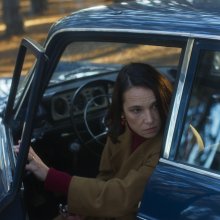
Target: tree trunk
[[38, 6], [12, 17]]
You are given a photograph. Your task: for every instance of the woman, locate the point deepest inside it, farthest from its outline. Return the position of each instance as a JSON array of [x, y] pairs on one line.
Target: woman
[[137, 118]]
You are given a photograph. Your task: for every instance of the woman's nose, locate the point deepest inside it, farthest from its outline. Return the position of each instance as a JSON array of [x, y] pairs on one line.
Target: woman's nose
[[148, 117]]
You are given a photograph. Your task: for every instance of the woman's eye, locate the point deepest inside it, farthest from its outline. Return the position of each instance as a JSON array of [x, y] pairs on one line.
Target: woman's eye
[[155, 106], [136, 110]]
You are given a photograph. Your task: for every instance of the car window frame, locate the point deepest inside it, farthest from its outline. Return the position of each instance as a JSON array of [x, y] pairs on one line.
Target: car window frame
[[170, 148], [56, 44], [33, 98]]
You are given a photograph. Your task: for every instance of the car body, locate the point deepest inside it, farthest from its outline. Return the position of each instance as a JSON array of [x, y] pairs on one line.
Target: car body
[[59, 106]]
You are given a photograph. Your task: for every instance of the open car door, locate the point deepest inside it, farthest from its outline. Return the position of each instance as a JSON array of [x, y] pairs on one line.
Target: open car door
[[16, 124]]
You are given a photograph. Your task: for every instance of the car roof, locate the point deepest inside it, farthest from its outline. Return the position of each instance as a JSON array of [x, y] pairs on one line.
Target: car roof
[[196, 18]]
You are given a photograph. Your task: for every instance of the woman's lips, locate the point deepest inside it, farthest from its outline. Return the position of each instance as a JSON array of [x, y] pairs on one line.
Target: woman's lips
[[150, 130]]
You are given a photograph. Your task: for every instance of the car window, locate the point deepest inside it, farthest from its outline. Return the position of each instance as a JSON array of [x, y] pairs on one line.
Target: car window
[[7, 133], [81, 59], [200, 142], [26, 75]]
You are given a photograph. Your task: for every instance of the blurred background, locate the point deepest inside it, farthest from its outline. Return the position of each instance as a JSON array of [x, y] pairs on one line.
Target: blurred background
[[32, 18]]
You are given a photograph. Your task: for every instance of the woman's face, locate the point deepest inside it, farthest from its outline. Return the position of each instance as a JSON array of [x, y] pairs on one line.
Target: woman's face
[[141, 111]]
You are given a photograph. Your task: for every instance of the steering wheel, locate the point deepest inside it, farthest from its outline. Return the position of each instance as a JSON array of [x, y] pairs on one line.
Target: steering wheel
[[88, 111]]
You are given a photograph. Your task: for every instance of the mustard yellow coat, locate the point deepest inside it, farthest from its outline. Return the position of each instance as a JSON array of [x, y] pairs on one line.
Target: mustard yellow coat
[[117, 191]]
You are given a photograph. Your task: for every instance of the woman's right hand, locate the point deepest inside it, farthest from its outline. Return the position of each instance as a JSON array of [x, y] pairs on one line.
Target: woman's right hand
[[35, 165]]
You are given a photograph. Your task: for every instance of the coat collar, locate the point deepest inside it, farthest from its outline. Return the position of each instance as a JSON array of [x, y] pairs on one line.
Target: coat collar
[[128, 160]]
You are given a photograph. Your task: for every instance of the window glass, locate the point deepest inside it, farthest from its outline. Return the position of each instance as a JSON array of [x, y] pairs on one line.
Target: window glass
[[28, 65], [200, 142], [81, 59]]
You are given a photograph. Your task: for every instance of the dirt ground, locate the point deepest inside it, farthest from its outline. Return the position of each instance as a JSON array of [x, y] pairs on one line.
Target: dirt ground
[[36, 27]]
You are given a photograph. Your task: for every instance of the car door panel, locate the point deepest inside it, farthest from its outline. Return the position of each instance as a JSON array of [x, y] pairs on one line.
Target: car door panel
[[15, 208], [177, 193]]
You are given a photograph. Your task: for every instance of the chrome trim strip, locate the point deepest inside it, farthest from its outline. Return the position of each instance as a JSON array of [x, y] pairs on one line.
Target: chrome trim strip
[[189, 168], [138, 31], [176, 106]]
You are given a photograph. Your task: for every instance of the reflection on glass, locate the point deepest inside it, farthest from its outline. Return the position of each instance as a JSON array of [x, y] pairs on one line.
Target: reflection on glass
[[5, 167], [203, 114], [82, 59]]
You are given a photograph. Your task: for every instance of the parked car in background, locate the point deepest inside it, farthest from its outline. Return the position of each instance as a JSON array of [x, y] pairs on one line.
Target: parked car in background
[[67, 87]]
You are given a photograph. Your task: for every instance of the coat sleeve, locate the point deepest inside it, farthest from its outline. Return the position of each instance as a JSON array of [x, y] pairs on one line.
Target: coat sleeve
[[110, 198]]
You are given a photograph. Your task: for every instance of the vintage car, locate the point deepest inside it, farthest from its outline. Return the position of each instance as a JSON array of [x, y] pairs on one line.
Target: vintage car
[[60, 93]]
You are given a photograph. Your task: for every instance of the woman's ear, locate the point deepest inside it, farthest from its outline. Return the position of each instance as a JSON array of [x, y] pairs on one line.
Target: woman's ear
[[123, 119]]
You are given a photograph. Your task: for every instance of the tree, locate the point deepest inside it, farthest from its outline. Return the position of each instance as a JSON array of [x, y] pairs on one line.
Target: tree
[[38, 6], [12, 17]]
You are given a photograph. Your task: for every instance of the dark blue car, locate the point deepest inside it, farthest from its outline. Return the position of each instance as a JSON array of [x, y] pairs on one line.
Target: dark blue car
[[60, 92]]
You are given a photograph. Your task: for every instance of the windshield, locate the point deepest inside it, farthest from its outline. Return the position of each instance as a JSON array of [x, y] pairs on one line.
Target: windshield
[[83, 59]]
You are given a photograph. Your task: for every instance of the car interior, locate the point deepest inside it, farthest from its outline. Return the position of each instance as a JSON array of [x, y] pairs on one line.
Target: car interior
[[70, 126]]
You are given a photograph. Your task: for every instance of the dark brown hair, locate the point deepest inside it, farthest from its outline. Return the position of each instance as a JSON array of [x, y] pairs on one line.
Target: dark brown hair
[[137, 74]]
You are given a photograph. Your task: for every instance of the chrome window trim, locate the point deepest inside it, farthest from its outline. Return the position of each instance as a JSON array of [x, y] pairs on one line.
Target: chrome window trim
[[138, 31], [190, 168], [176, 105]]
